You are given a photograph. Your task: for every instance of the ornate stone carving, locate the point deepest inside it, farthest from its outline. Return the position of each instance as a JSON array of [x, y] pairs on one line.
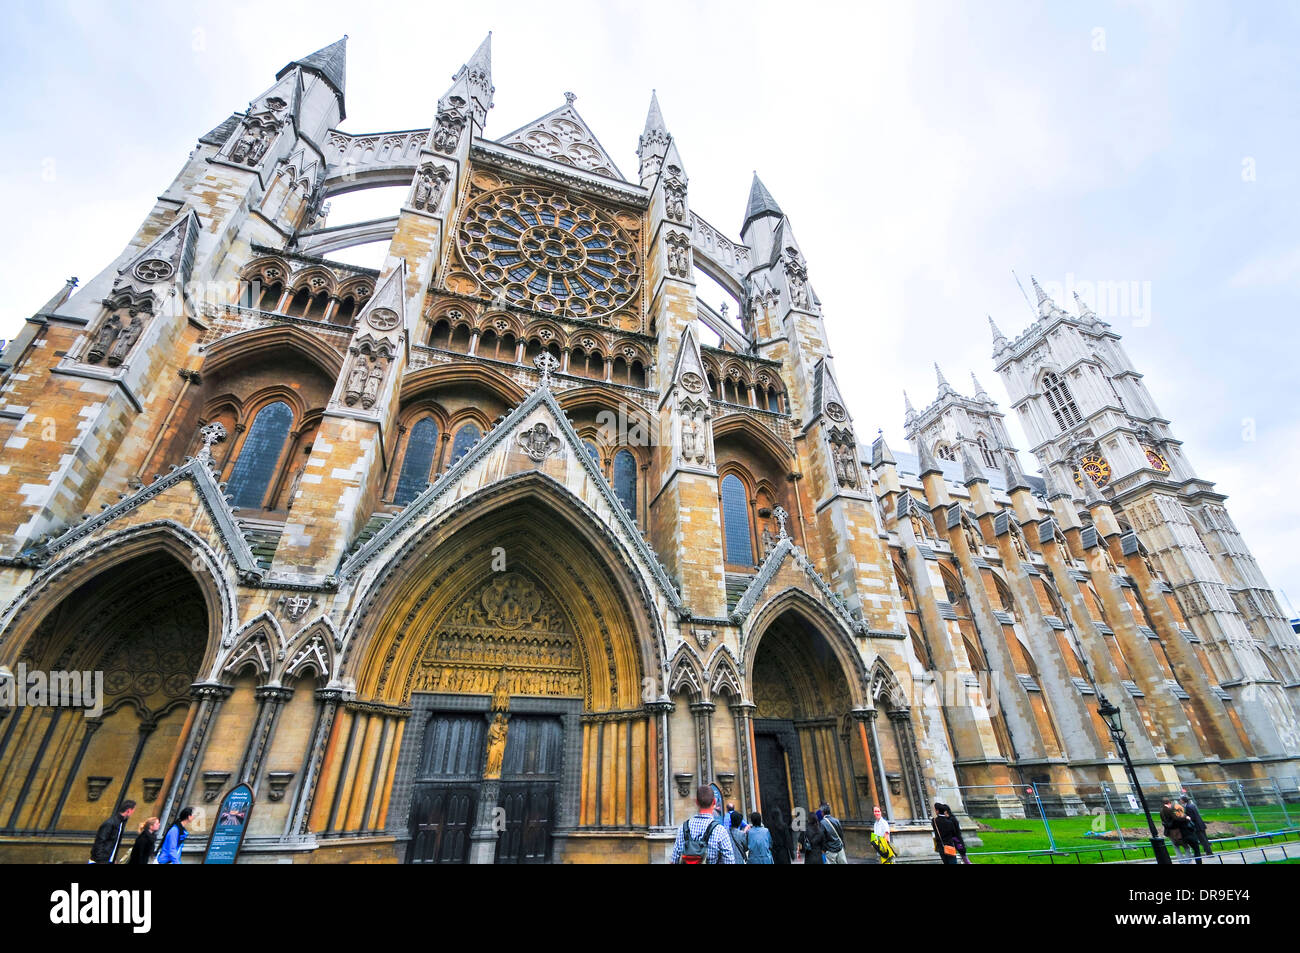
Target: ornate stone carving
[[108, 332], [277, 782], [836, 412], [253, 141], [213, 782], [692, 382], [727, 782], [683, 780], [210, 434], [296, 606], [382, 319], [151, 788], [675, 193], [703, 637], [511, 601], [694, 416], [547, 364], [154, 270], [430, 184], [844, 457], [796, 277], [538, 442], [125, 341], [678, 249], [95, 785], [450, 121]]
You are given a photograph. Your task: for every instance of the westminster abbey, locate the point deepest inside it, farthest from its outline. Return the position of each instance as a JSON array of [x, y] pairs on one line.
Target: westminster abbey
[[497, 552]]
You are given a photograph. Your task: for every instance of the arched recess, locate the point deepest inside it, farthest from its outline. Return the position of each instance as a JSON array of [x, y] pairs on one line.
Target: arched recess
[[127, 629], [461, 373], [806, 679], [264, 343], [518, 592]]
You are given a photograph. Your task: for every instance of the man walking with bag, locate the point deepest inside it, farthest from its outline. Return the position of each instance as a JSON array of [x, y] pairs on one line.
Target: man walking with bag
[[834, 833]]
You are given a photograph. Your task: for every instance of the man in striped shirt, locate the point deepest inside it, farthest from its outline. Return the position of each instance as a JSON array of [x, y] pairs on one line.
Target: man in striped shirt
[[718, 850]]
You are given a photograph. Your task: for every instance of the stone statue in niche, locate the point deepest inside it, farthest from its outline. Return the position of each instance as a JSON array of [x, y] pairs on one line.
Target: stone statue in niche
[[846, 473], [675, 194], [371, 392], [694, 438], [496, 745], [108, 333], [796, 276], [124, 341], [450, 122], [251, 145], [357, 379], [430, 184], [678, 250]]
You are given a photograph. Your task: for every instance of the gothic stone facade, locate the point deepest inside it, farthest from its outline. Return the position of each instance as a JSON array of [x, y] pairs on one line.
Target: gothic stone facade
[[484, 555]]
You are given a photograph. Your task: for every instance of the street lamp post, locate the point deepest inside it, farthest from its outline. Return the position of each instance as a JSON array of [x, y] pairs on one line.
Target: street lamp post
[[1111, 716]]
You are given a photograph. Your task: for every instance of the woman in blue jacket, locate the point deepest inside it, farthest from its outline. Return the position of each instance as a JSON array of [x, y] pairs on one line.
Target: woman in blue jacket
[[176, 834]]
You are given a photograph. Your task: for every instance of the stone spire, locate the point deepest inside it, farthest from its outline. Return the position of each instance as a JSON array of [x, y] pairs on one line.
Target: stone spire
[[1000, 342], [477, 76], [1053, 486], [653, 145], [980, 392], [945, 389], [1086, 312], [329, 63], [1046, 306], [760, 203], [909, 412]]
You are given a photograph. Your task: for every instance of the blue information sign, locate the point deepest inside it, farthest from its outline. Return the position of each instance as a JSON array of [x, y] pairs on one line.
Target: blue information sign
[[232, 821]]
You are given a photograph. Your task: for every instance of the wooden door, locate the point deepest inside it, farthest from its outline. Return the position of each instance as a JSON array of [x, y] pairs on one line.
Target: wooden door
[[773, 786], [530, 780], [447, 790]]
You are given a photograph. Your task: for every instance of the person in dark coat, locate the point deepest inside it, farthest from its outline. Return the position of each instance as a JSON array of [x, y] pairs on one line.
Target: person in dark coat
[[946, 833], [142, 849], [782, 845], [109, 835], [1194, 813], [812, 841], [739, 838]]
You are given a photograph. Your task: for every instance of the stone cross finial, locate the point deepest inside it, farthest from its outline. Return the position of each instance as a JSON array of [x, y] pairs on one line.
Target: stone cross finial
[[569, 98], [781, 516], [547, 364], [211, 434]]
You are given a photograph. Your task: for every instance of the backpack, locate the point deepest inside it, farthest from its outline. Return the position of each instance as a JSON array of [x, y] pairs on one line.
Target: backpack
[[695, 850], [834, 835]]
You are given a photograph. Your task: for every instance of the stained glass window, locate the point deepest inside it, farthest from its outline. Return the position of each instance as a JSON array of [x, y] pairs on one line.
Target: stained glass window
[[466, 437], [625, 480], [420, 447], [592, 451], [259, 455], [548, 252], [735, 522]]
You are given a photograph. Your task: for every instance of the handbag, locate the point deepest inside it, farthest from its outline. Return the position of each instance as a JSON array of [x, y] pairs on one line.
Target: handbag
[[949, 850]]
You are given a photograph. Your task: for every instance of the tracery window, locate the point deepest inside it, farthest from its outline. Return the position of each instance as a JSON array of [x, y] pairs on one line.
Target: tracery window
[[1061, 401], [466, 437], [625, 480], [255, 468], [420, 447], [986, 452], [548, 252], [945, 452], [739, 544]]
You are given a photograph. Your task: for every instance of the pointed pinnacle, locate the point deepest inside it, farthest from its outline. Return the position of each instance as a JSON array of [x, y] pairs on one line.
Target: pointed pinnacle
[[944, 387], [980, 392], [925, 458], [1011, 472], [880, 452], [1091, 492], [908, 410], [654, 119], [1038, 290], [760, 203], [972, 472], [999, 339]]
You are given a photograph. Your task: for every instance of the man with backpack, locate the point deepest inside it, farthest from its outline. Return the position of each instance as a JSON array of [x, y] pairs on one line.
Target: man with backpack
[[833, 832], [702, 839]]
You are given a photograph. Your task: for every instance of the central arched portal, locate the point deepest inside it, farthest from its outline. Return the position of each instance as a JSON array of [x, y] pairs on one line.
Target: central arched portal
[[514, 645]]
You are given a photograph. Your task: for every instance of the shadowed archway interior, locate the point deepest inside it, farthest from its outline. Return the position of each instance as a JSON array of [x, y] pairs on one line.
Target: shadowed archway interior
[[143, 625]]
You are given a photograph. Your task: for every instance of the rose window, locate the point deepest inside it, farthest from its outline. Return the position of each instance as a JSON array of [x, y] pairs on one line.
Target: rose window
[[549, 253]]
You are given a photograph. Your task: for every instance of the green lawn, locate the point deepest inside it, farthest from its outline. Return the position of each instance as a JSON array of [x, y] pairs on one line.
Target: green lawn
[[1027, 834]]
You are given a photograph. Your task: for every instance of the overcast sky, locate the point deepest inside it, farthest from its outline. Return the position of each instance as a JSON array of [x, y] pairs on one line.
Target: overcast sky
[[921, 152]]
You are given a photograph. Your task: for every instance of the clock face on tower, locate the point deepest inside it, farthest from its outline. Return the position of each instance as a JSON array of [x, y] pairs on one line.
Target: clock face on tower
[[1095, 465], [549, 252], [1155, 460]]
